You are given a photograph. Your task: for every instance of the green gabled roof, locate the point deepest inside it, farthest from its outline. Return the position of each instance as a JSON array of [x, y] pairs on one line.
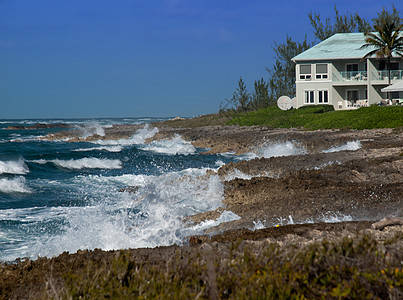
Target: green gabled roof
[[338, 46]]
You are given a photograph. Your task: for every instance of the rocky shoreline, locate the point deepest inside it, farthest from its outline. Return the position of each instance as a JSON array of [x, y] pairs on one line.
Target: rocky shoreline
[[316, 185], [302, 193]]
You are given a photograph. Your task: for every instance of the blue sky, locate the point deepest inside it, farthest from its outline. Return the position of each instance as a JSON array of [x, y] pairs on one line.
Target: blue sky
[[134, 58]]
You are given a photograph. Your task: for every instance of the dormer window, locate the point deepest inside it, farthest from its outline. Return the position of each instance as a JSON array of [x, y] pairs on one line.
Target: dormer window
[[305, 72], [321, 71]]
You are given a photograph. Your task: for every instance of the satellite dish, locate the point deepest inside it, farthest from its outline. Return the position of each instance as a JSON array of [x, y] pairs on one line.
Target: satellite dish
[[285, 103]]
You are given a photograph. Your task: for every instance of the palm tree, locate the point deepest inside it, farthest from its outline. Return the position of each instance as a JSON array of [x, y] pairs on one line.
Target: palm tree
[[386, 41]]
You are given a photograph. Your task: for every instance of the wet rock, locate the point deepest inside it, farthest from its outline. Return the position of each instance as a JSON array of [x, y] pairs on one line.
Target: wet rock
[[130, 189], [39, 126], [193, 241]]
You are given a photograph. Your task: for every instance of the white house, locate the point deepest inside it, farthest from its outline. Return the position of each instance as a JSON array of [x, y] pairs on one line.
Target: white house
[[332, 72]]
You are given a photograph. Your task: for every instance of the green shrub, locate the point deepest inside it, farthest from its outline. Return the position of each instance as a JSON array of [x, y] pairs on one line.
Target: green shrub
[[356, 267]]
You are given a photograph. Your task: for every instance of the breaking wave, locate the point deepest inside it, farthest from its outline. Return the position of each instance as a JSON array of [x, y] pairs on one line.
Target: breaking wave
[[177, 145], [89, 163], [153, 216], [17, 167], [15, 185], [84, 163], [137, 139]]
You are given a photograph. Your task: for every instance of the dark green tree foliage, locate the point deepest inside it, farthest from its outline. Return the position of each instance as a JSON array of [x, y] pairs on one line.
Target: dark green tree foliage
[[342, 24], [388, 17], [282, 73], [241, 98], [260, 97]]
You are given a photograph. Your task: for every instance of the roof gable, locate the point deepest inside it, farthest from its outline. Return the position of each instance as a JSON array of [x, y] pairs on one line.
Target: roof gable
[[338, 46]]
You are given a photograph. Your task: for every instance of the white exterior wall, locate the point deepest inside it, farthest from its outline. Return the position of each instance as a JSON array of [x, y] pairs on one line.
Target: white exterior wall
[[313, 84], [374, 92], [368, 85]]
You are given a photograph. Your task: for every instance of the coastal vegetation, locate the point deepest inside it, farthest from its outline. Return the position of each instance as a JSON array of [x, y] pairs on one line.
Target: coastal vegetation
[[323, 117], [307, 118], [357, 267]]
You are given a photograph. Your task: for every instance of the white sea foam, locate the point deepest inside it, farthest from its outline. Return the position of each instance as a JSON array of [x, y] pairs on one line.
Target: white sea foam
[[330, 217], [13, 167], [88, 163], [39, 161], [176, 145], [15, 185], [151, 217], [258, 225], [137, 139], [102, 148], [274, 150], [349, 146], [219, 163], [336, 218], [285, 221]]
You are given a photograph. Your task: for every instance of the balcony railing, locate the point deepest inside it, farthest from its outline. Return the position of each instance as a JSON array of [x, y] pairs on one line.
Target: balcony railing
[[351, 76], [383, 75]]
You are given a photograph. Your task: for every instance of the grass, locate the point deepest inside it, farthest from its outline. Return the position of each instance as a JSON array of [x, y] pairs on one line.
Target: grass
[[323, 117], [352, 267]]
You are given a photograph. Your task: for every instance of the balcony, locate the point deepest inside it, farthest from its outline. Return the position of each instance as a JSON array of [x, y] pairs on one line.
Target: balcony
[[383, 75], [351, 76]]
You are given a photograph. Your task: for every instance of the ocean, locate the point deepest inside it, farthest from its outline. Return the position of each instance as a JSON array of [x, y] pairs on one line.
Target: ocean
[[58, 196]]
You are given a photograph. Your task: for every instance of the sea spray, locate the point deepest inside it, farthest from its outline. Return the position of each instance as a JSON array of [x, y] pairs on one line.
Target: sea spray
[[275, 149], [349, 146], [176, 145], [138, 138], [280, 149], [257, 225], [17, 167], [93, 128], [14, 185], [150, 217], [226, 216]]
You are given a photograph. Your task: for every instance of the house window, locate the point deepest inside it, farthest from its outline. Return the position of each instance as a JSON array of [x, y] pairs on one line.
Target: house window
[[309, 97], [321, 71], [305, 72], [383, 65], [323, 97], [352, 67]]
